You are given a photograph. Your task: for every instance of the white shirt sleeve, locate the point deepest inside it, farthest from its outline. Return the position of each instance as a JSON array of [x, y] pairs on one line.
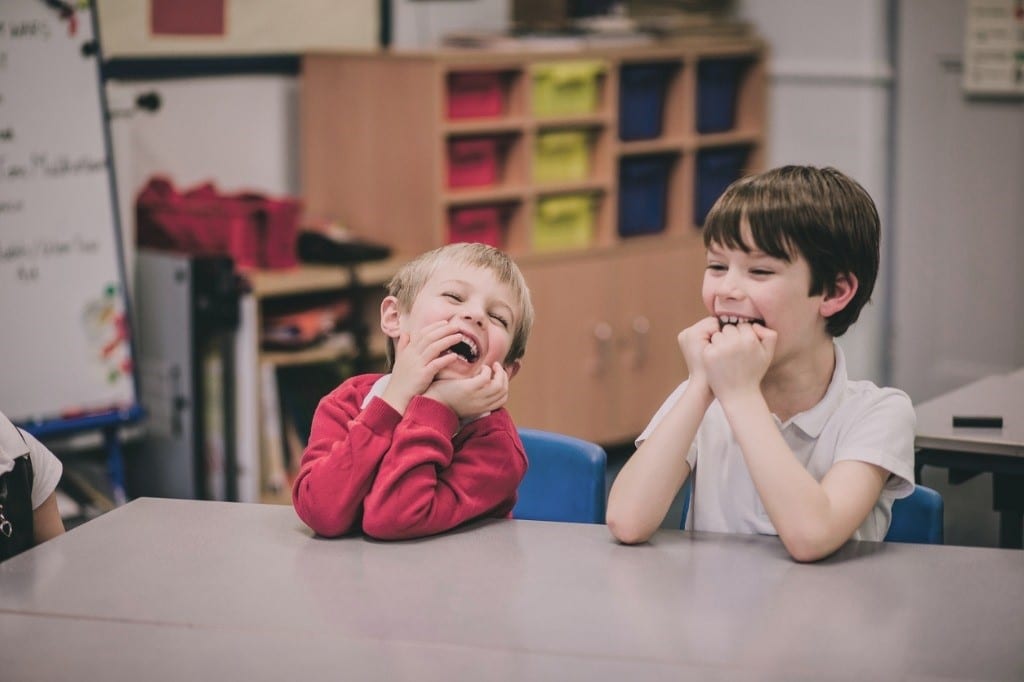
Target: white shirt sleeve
[[883, 435]]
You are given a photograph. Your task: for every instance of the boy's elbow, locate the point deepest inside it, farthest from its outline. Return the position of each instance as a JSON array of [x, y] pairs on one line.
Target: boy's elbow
[[625, 530], [385, 529], [806, 555], [808, 546]]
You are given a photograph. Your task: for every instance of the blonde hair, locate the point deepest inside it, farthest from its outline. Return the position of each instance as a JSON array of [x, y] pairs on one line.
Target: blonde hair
[[407, 283]]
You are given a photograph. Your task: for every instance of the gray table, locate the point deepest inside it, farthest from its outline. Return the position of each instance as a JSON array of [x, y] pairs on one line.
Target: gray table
[[171, 589], [969, 451]]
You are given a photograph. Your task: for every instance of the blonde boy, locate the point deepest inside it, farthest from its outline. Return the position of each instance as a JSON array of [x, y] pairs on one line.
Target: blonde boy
[[428, 446], [777, 438]]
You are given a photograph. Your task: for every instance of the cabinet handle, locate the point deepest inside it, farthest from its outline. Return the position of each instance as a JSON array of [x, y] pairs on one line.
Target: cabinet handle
[[602, 348], [641, 329]]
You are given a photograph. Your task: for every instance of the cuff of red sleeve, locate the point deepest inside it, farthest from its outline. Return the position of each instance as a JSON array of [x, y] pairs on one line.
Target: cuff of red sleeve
[[433, 413], [379, 416]]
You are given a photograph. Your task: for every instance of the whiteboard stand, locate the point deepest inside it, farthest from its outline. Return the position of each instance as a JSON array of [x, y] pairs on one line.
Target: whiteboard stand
[[68, 351], [115, 465]]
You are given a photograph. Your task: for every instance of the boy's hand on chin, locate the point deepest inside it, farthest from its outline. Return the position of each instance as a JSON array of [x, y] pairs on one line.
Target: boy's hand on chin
[[418, 361], [472, 396], [737, 358]]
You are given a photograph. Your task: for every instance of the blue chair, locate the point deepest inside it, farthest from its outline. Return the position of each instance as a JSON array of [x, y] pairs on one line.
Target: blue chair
[[687, 487], [565, 481], [917, 518]]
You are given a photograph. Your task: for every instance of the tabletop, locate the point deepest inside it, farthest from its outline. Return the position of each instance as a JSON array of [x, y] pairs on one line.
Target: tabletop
[[999, 395], [176, 589]]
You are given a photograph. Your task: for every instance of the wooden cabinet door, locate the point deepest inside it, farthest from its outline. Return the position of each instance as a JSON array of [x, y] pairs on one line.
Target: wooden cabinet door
[[603, 353], [569, 371], [659, 296]]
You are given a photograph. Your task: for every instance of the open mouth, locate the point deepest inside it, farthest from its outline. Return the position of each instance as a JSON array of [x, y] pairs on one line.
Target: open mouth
[[723, 320], [465, 349]]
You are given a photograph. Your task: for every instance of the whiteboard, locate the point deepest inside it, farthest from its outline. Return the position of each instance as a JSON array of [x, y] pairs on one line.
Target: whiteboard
[[65, 344]]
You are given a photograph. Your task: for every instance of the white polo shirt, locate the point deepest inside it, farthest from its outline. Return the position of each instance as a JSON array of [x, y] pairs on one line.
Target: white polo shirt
[[855, 420], [46, 468]]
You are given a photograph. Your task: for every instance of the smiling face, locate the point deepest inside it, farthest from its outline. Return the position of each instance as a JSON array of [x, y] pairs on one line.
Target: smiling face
[[749, 286], [478, 305]]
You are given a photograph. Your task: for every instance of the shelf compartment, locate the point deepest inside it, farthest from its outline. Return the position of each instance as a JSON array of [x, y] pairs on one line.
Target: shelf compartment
[[643, 89], [565, 222], [562, 156], [643, 194], [477, 94], [719, 81], [568, 88], [717, 168], [481, 224], [474, 163]]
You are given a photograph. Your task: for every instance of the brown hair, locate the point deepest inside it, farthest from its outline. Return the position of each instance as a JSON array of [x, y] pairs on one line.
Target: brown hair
[[410, 279], [820, 214]]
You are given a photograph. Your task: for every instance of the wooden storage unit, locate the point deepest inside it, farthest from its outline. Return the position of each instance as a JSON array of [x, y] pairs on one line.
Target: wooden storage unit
[[375, 137], [364, 281]]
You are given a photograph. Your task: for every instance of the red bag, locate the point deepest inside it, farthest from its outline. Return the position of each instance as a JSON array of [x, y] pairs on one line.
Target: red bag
[[255, 230]]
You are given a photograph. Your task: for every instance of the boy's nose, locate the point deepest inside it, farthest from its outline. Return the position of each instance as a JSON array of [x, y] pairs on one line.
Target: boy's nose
[[730, 286], [474, 316]]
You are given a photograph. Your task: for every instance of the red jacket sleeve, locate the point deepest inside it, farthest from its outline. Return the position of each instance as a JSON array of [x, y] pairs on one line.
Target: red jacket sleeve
[[346, 444], [431, 481]]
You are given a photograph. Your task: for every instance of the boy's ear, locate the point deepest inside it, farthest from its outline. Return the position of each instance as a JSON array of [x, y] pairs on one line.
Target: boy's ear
[[390, 317], [842, 293], [513, 367]]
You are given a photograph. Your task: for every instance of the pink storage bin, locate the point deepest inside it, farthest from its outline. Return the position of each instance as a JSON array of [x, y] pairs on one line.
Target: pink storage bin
[[473, 162], [475, 94], [475, 224]]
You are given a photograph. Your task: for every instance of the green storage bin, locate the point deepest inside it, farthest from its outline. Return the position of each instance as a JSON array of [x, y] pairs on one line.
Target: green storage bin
[[564, 222], [562, 156], [566, 88]]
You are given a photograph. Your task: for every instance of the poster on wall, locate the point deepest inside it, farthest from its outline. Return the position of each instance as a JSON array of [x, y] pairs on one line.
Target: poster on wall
[[994, 48]]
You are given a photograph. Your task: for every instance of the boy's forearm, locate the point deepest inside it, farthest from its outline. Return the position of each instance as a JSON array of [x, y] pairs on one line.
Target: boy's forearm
[[425, 487], [649, 481], [795, 502], [340, 463]]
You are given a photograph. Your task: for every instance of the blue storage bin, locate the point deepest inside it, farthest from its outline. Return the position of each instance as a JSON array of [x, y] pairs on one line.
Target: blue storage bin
[[643, 193], [642, 99], [717, 87], [716, 170]]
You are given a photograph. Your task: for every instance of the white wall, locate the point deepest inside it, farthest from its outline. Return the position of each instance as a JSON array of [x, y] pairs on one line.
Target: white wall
[[958, 303], [830, 79]]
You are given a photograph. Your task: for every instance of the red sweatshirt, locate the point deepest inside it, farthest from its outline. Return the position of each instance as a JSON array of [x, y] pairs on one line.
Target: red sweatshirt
[[403, 476]]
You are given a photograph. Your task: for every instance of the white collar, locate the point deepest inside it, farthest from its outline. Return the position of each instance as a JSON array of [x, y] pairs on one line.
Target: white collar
[[813, 420]]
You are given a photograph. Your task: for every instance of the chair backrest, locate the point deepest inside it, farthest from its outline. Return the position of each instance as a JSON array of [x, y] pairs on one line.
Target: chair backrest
[[686, 502], [565, 480], [917, 518]]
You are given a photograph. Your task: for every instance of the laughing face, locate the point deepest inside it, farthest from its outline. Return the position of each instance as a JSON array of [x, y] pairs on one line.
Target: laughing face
[[479, 308], [751, 286]]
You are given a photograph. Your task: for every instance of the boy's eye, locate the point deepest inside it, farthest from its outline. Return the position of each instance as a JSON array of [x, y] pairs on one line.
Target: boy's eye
[[716, 266], [453, 296], [761, 271], [500, 320]]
